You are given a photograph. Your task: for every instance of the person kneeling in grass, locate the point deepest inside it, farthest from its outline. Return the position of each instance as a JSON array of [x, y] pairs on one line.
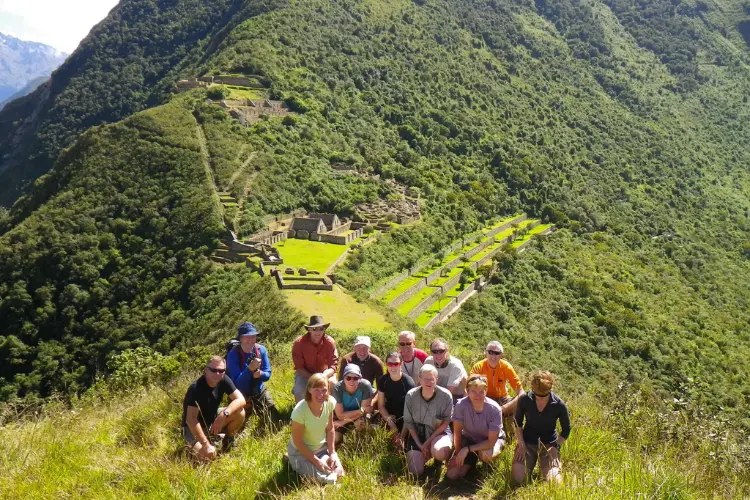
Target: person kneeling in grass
[[392, 390], [538, 438], [427, 414], [477, 429], [201, 415], [353, 397], [312, 448]]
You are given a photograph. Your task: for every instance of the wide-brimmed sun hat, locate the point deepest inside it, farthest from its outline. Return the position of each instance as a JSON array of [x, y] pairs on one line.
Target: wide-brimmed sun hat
[[317, 322]]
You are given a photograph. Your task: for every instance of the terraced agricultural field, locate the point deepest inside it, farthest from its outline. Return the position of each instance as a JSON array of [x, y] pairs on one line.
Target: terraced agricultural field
[[540, 228], [414, 300]]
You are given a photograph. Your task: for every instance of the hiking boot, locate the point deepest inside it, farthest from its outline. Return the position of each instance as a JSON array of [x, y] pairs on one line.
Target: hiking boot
[[227, 443]]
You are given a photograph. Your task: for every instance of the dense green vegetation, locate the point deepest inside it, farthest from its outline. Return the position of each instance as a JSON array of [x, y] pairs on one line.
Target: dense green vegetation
[[128, 63], [623, 122], [115, 259]]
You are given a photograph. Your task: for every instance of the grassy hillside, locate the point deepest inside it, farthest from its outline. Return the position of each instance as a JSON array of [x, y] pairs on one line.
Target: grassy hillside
[[128, 446], [624, 123], [116, 259]]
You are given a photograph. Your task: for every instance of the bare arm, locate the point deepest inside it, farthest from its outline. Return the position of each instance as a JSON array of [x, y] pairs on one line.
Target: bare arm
[[238, 402], [191, 419], [346, 416], [487, 444]]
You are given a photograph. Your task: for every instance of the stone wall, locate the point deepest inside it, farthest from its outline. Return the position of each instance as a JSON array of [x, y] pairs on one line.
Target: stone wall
[[340, 229], [450, 283], [381, 290], [425, 304], [239, 81], [442, 314], [448, 308], [508, 225], [302, 283], [409, 293], [338, 262]]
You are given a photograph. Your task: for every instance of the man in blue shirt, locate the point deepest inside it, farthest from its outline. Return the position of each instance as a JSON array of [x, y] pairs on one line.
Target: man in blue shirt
[[248, 367]]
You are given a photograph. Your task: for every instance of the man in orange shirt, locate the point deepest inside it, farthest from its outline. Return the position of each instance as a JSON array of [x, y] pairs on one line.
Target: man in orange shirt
[[314, 352], [499, 373]]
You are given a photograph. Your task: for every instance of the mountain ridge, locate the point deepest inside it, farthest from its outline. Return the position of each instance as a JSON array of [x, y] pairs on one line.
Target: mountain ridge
[[624, 123], [22, 61]]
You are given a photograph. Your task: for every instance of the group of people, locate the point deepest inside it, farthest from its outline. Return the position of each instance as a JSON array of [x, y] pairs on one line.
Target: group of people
[[432, 406]]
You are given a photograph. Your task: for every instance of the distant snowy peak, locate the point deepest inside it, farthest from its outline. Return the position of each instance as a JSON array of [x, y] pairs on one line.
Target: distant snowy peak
[[22, 61]]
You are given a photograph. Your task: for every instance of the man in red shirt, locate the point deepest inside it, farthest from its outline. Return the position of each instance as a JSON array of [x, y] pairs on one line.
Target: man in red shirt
[[314, 352], [412, 358]]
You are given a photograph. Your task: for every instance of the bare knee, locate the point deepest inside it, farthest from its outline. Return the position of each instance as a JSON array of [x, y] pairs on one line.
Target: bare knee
[[441, 454], [455, 473], [518, 473]]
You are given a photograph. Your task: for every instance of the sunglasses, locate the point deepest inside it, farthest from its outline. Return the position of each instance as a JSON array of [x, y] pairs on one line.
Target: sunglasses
[[316, 329], [494, 353], [404, 344], [392, 364], [477, 377], [349, 379], [215, 370], [437, 351]]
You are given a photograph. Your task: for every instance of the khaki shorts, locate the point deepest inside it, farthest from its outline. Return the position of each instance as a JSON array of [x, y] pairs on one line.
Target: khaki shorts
[[547, 454]]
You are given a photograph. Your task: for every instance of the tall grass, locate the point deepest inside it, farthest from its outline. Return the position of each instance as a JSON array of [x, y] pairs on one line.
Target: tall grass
[[129, 446]]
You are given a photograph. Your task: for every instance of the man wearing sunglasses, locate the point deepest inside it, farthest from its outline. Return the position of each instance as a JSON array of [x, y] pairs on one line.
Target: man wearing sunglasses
[[353, 397], [314, 352], [370, 365], [201, 415], [412, 358], [451, 371], [499, 373]]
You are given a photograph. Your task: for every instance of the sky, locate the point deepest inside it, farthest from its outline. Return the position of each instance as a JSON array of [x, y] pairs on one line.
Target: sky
[[61, 24]]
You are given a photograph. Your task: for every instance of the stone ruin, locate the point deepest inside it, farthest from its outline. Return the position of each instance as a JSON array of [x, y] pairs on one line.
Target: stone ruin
[[248, 111], [404, 211]]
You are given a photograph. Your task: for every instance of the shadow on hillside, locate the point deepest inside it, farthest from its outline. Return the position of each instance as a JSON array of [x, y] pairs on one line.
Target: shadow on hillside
[[466, 487], [280, 485]]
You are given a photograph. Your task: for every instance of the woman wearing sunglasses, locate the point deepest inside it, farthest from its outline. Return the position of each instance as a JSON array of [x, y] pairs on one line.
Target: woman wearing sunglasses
[[477, 429], [312, 448], [537, 437], [353, 397], [392, 389]]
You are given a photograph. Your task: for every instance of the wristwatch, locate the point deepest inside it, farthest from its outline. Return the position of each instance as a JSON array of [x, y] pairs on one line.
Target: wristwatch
[[226, 413]]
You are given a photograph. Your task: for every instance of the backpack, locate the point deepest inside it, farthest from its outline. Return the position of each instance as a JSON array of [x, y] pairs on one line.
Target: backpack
[[235, 344]]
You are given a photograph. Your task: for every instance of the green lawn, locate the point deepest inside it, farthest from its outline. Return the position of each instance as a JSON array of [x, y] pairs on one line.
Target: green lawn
[[499, 223], [400, 288], [338, 307], [245, 93], [414, 301], [530, 234], [312, 255]]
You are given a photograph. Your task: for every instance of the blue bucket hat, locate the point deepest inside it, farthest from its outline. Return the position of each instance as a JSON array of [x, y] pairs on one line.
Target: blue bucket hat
[[246, 328]]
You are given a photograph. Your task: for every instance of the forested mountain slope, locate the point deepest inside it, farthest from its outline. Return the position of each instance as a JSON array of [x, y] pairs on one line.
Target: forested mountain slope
[[623, 122], [117, 70]]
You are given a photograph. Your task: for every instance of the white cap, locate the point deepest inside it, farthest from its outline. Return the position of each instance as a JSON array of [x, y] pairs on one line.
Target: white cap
[[362, 340]]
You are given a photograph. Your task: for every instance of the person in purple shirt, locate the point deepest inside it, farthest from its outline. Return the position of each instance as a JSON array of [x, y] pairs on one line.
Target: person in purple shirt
[[477, 429], [537, 437], [248, 367]]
